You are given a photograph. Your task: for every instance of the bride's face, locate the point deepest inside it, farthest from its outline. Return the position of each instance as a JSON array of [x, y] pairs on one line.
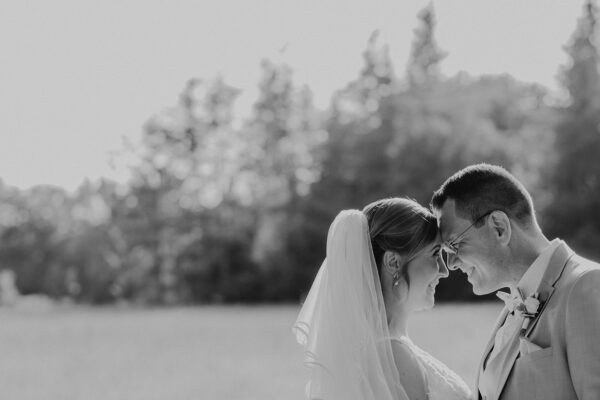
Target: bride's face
[[425, 272]]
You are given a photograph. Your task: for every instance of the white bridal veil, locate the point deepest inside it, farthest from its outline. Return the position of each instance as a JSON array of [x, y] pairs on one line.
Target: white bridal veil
[[342, 324]]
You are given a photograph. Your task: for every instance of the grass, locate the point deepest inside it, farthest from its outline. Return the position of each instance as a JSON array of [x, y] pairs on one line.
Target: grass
[[191, 353]]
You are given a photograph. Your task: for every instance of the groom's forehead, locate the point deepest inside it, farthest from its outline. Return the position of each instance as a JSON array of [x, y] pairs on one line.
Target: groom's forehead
[[447, 218]]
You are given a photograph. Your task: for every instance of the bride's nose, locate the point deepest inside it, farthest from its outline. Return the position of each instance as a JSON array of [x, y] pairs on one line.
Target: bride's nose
[[444, 270]]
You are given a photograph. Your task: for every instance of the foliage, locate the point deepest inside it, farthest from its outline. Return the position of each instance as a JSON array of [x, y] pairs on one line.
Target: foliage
[[575, 212], [425, 57], [221, 209]]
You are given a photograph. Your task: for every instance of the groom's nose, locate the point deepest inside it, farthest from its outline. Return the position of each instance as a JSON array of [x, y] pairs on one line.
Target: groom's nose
[[453, 262]]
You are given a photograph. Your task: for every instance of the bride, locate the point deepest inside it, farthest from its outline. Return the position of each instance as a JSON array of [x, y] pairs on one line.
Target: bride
[[382, 265]]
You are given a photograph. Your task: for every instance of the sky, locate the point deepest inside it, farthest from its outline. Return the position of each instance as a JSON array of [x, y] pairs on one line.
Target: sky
[[78, 77]]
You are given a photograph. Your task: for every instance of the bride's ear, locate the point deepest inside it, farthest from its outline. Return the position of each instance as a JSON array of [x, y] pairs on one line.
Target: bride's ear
[[392, 263]]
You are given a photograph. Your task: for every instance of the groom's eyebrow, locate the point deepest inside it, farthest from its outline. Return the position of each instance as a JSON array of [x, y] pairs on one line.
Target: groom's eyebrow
[[447, 235], [452, 238]]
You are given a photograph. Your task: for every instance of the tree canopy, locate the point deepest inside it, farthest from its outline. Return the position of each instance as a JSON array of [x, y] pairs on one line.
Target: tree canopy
[[221, 209]]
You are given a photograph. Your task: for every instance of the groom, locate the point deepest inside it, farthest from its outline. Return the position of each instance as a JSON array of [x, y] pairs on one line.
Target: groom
[[546, 342]]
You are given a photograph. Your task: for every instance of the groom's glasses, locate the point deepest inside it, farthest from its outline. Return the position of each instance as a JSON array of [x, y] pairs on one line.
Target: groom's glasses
[[451, 247]]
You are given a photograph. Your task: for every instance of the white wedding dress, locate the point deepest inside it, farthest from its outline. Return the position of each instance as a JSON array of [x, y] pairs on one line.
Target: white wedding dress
[[442, 382]]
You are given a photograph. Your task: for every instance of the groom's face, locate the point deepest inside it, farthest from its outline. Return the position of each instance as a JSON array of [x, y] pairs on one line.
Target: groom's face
[[476, 255]]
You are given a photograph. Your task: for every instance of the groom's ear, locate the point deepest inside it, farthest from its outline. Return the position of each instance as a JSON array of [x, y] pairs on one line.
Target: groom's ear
[[500, 224]]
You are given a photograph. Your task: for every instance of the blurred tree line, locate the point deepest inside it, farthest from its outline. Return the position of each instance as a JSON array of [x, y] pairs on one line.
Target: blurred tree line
[[219, 210]]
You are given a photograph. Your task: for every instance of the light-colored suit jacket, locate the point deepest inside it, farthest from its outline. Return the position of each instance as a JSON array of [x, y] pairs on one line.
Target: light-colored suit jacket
[[565, 334]]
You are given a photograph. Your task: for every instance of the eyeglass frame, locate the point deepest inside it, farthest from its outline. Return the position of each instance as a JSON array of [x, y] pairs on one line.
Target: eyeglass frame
[[449, 247]]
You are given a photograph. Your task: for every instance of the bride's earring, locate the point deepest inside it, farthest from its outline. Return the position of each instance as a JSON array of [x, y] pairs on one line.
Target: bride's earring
[[399, 286], [392, 266], [396, 278]]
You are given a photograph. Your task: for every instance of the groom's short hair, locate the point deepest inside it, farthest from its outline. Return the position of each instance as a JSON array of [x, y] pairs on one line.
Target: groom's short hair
[[481, 188]]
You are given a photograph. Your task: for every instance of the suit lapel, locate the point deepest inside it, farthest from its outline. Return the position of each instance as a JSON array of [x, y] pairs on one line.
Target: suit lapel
[[557, 265], [490, 344], [511, 357]]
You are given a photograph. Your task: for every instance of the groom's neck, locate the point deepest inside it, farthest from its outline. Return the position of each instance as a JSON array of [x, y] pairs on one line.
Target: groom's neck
[[527, 247]]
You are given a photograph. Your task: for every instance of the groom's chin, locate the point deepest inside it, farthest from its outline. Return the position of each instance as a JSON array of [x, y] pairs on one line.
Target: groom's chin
[[477, 289], [480, 291]]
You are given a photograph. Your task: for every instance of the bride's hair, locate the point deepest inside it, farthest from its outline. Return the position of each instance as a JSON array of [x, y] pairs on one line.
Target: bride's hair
[[400, 225]]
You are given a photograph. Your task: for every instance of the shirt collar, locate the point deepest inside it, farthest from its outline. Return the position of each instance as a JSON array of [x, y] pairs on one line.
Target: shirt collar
[[530, 281]]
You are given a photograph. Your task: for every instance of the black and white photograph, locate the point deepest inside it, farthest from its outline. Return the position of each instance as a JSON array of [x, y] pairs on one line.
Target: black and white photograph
[[300, 200]]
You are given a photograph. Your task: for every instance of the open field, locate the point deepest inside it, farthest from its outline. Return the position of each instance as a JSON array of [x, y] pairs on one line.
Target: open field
[[191, 353]]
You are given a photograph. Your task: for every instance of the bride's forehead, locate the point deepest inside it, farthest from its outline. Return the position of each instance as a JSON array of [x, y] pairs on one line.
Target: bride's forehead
[[430, 247]]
